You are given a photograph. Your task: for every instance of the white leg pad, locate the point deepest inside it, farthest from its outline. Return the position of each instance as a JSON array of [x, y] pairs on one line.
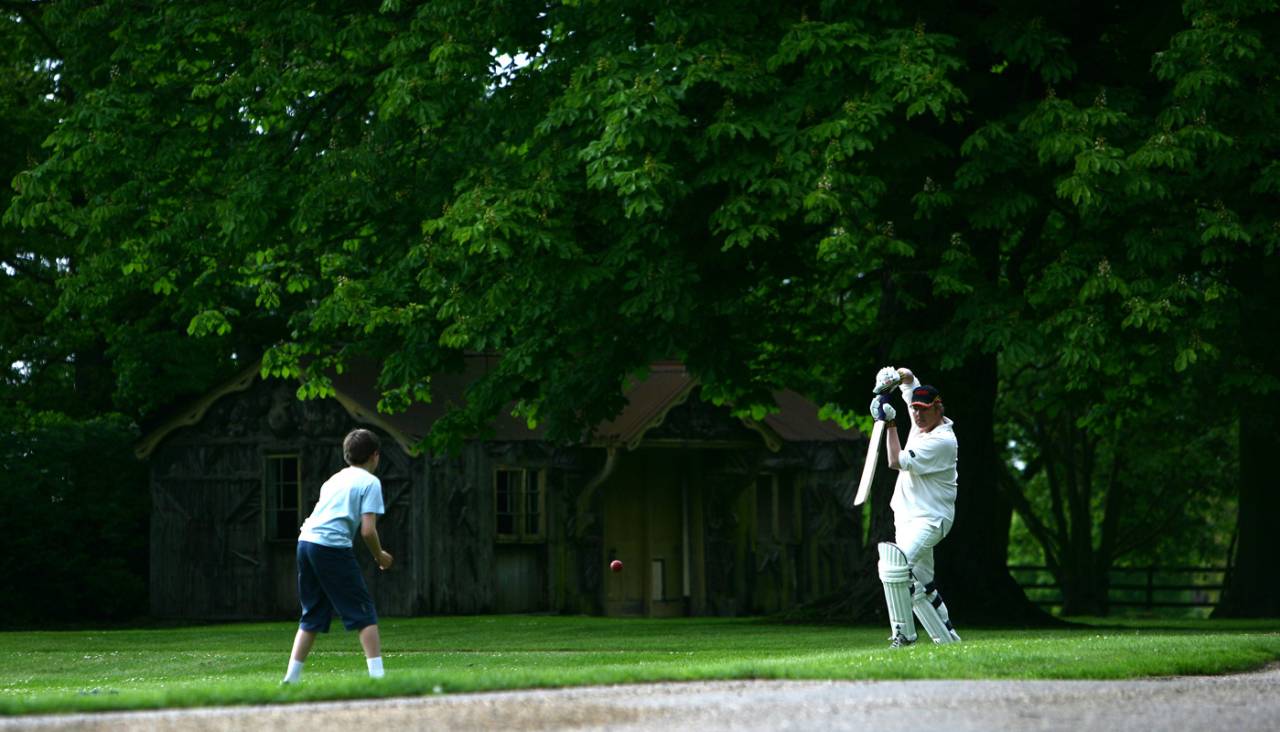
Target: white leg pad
[[935, 599], [930, 619], [895, 573]]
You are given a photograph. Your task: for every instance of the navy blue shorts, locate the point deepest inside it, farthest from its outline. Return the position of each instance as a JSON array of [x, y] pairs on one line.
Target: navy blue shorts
[[329, 579]]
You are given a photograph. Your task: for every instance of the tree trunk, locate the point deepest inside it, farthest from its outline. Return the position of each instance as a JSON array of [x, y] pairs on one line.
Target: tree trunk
[[973, 574], [1252, 591]]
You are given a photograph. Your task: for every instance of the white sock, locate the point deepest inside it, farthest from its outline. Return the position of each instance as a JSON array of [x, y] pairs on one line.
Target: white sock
[[375, 667], [294, 674]]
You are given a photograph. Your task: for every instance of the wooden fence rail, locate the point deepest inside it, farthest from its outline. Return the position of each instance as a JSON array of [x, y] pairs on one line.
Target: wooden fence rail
[[1144, 587]]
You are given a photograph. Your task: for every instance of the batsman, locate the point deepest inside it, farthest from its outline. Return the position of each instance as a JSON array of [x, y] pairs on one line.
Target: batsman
[[924, 507]]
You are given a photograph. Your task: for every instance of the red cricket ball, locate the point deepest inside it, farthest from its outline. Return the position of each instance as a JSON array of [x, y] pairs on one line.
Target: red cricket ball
[[616, 565]]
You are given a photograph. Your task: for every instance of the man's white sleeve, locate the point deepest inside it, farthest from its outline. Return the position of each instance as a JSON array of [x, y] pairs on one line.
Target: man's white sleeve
[[906, 387]]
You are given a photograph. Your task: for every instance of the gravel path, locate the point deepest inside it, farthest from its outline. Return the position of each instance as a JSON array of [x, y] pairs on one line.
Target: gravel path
[[1239, 702]]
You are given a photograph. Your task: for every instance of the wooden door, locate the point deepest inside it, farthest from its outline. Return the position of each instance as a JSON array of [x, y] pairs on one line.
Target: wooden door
[[520, 577], [643, 527]]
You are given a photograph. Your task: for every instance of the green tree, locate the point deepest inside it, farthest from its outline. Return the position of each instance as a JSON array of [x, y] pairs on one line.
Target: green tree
[[36, 366], [1016, 225], [713, 183], [101, 339], [651, 183], [777, 194], [74, 521], [1092, 260], [1224, 69], [1095, 490]]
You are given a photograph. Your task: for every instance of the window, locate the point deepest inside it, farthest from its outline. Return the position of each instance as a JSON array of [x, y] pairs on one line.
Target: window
[[518, 502], [282, 497]]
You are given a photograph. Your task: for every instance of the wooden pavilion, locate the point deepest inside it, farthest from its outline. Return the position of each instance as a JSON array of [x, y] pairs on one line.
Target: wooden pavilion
[[710, 514]]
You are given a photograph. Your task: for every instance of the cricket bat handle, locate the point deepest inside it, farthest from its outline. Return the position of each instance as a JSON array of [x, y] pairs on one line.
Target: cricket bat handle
[[869, 467]]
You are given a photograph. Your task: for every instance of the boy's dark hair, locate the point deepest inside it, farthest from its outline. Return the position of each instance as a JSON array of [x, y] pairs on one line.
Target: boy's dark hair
[[359, 445]]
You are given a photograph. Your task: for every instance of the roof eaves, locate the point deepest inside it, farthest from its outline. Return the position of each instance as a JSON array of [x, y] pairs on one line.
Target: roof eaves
[[194, 413], [660, 414], [360, 413], [772, 439]]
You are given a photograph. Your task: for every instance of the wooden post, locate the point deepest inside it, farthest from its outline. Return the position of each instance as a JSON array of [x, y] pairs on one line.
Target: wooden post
[[1151, 582]]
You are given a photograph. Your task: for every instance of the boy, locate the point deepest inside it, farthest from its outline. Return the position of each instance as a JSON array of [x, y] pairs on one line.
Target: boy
[[329, 577]]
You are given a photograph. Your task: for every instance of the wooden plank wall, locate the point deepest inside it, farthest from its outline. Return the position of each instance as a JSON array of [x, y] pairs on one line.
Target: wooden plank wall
[[210, 558], [460, 532], [207, 553]]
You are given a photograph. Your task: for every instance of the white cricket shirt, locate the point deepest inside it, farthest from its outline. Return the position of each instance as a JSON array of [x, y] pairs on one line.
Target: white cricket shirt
[[926, 486], [344, 497]]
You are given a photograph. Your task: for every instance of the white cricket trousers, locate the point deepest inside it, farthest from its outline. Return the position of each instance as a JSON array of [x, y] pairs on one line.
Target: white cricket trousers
[[917, 537]]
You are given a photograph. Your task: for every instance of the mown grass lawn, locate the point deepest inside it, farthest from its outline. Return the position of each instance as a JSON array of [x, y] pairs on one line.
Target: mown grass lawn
[[242, 663]]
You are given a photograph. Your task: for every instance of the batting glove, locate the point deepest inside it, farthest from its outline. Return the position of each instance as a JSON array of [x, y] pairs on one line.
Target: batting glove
[[887, 378], [882, 410]]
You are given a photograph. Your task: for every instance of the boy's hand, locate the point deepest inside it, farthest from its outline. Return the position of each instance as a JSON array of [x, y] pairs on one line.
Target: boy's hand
[[384, 560]]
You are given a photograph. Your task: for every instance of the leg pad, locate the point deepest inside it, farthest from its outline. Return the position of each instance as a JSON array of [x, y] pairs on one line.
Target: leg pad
[[895, 574], [929, 608]]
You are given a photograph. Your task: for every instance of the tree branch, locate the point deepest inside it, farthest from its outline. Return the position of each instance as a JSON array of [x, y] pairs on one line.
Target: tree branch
[[1055, 488], [1013, 491], [23, 9], [1111, 508]]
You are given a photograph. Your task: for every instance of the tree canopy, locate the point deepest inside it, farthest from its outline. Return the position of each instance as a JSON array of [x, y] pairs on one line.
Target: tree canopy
[[1066, 210]]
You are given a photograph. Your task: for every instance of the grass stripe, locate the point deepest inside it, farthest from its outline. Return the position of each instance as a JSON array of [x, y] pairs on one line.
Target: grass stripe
[[88, 670]]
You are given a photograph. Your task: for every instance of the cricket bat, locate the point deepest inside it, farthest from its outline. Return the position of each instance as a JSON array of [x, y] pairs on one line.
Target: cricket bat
[[869, 467]]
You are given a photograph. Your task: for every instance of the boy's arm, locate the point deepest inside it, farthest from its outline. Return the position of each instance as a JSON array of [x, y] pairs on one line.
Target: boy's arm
[[369, 532]]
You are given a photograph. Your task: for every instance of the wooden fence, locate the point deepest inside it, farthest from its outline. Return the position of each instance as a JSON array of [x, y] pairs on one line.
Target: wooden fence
[[1135, 587]]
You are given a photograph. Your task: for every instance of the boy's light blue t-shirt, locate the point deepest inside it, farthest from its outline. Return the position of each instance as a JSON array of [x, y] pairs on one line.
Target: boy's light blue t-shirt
[[344, 497]]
